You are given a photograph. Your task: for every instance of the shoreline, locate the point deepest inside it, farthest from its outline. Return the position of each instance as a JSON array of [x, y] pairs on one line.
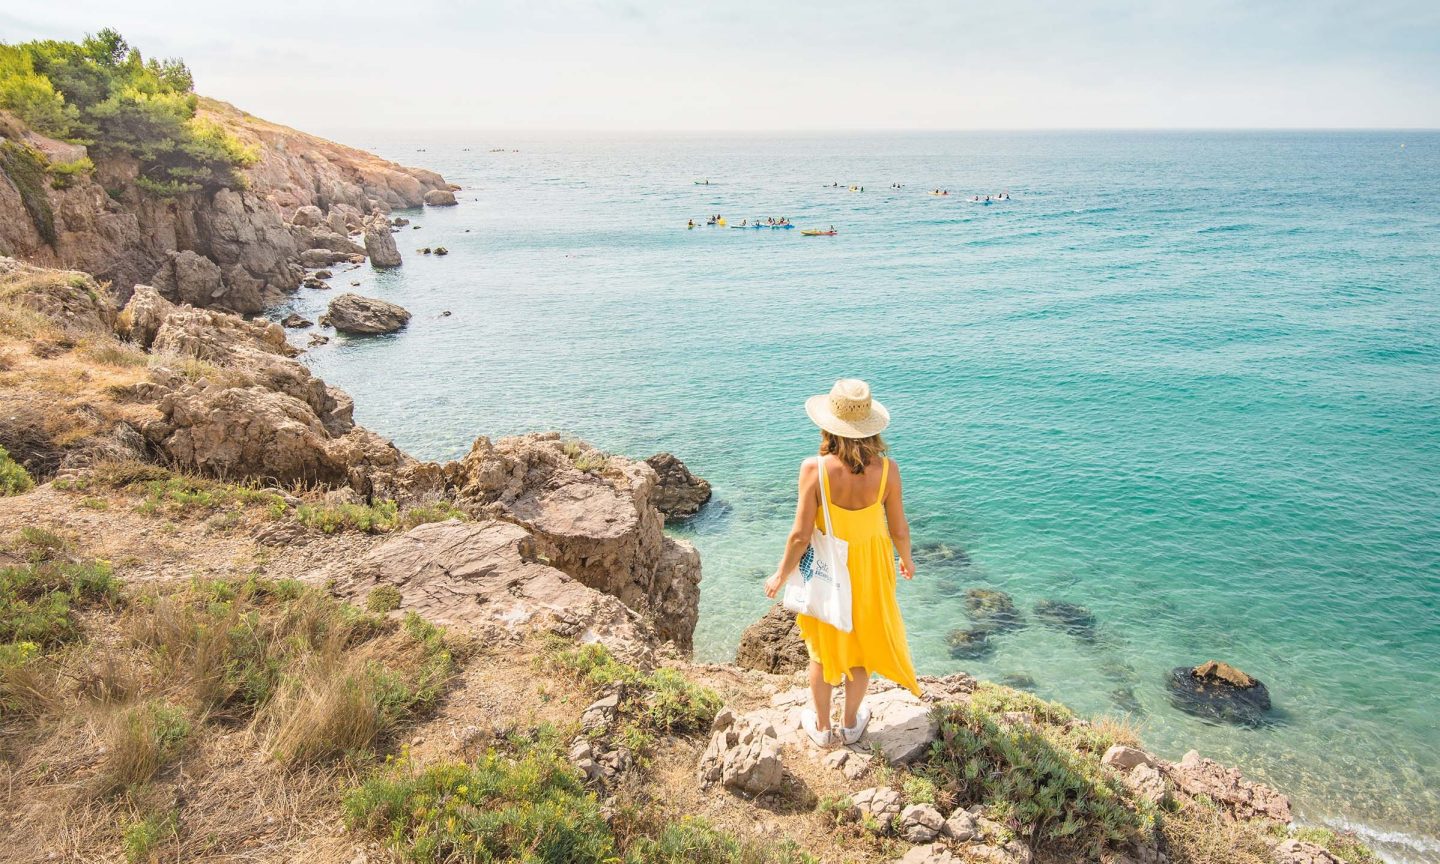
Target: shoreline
[[390, 460]]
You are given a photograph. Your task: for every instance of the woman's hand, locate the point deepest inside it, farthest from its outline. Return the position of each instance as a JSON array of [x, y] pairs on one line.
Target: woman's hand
[[772, 585], [907, 568]]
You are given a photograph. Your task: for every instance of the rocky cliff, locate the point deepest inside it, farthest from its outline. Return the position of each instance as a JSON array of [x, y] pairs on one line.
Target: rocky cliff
[[235, 249]]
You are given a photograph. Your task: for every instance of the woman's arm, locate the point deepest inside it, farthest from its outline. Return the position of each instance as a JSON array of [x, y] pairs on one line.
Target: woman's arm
[[799, 539], [899, 526]]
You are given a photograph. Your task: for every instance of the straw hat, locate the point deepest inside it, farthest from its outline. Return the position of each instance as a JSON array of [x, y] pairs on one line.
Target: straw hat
[[847, 410]]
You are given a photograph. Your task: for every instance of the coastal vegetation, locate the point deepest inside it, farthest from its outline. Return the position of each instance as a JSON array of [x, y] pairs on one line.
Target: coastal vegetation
[[103, 93]]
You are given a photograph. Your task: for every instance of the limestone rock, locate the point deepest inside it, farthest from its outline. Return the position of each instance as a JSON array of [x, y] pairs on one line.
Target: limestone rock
[[380, 244], [931, 853], [1147, 782], [877, 806], [773, 644], [351, 313], [142, 316], [1124, 758], [1240, 798], [920, 823], [593, 516], [307, 216], [960, 825], [679, 494], [295, 320], [1300, 852], [1219, 691], [321, 257], [488, 572], [440, 198], [744, 756]]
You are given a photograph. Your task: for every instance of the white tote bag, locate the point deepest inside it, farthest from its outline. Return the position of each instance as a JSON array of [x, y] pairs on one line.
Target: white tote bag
[[820, 585]]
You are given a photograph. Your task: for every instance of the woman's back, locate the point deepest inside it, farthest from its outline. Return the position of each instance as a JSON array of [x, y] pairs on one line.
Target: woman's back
[[852, 491]]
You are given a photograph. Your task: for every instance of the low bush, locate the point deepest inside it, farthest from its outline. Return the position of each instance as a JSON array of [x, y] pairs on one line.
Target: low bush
[[37, 599], [143, 837], [1042, 779], [14, 479], [381, 517]]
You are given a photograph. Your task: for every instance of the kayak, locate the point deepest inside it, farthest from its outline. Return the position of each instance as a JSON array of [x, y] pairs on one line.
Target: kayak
[[779, 226], [812, 233]]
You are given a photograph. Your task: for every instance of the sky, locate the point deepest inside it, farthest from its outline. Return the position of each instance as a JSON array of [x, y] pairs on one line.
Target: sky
[[787, 65]]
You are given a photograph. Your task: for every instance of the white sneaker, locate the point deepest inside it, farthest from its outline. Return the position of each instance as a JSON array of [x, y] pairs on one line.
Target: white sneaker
[[852, 734], [823, 738]]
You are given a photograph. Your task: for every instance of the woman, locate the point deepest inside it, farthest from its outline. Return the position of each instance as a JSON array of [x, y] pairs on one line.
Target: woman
[[862, 486]]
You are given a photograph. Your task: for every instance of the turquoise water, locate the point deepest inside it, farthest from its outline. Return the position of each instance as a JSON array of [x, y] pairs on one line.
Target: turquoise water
[[1190, 381]]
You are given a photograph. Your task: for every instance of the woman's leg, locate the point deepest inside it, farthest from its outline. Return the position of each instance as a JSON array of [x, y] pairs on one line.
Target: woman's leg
[[857, 683], [820, 695]]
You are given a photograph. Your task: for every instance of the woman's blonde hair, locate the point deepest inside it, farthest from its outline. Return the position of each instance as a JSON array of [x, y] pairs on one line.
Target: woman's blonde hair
[[856, 453]]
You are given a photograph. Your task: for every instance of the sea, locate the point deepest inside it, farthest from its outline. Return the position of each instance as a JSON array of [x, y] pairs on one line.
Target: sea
[[1189, 381]]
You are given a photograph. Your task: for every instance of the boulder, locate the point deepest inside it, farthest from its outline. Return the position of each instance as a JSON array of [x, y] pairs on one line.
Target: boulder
[[930, 853], [194, 279], [876, 807], [593, 516], [1238, 797], [143, 315], [679, 494], [380, 243], [743, 755], [920, 823], [351, 313], [308, 216], [440, 198], [1294, 851], [1219, 691], [321, 257], [441, 250], [1147, 782], [295, 320], [773, 644], [490, 573], [960, 826], [1124, 758]]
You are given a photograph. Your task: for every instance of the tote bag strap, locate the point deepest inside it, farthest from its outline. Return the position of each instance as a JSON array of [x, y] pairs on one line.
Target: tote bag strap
[[824, 499]]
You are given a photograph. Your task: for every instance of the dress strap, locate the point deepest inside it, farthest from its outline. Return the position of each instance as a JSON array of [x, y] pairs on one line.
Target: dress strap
[[884, 475]]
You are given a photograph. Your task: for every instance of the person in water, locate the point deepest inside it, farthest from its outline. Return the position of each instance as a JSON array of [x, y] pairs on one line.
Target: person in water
[[690, 224], [864, 498]]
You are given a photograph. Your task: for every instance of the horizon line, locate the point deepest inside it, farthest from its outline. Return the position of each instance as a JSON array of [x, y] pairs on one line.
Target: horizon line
[[868, 131]]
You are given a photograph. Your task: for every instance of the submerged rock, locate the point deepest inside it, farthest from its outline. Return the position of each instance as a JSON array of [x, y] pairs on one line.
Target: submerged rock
[[1219, 691], [351, 313], [969, 643], [1069, 617], [679, 494], [991, 610], [773, 644]]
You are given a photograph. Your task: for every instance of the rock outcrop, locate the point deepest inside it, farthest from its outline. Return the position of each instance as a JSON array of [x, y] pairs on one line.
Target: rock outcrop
[[380, 243], [679, 494], [1219, 691], [255, 236], [351, 313], [773, 644], [593, 516], [440, 198], [490, 573], [743, 755], [1227, 787]]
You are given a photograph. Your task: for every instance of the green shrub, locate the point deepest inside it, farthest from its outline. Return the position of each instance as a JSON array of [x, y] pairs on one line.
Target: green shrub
[[64, 174], [530, 808], [104, 93], [141, 838], [692, 840], [382, 517], [36, 598], [1032, 777], [1344, 845], [14, 479], [382, 599]]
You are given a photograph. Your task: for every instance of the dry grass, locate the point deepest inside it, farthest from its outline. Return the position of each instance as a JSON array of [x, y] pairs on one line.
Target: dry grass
[[139, 741], [1203, 835]]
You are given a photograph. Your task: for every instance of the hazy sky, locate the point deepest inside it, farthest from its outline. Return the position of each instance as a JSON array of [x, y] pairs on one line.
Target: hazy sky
[[788, 64]]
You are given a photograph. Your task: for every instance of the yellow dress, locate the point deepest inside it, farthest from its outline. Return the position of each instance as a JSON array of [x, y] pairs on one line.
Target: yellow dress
[[876, 640]]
